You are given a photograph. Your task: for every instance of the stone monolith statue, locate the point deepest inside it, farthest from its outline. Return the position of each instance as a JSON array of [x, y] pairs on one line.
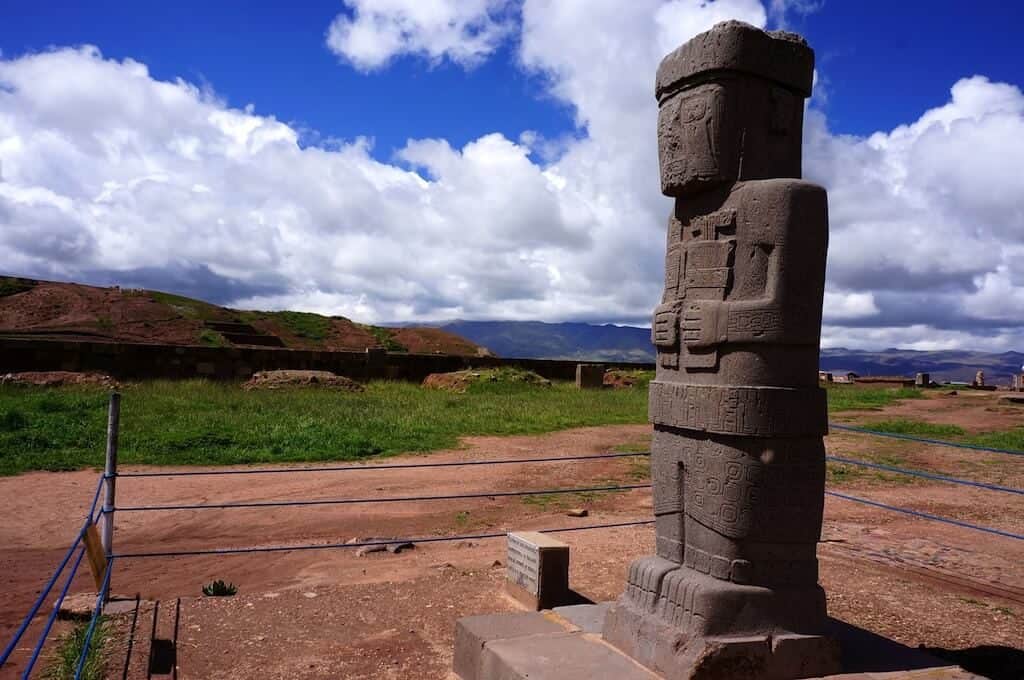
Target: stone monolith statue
[[737, 458]]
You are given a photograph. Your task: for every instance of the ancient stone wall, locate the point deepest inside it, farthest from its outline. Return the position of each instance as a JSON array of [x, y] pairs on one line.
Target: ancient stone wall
[[131, 361]]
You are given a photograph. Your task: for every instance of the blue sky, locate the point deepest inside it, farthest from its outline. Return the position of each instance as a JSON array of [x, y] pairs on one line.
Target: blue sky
[[884, 63], [511, 169]]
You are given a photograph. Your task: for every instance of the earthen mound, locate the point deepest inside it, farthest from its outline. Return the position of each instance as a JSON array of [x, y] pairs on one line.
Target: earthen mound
[[58, 379], [273, 380], [459, 381]]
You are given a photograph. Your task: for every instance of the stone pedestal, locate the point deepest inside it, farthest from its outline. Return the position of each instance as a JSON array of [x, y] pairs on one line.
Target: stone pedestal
[[563, 645]]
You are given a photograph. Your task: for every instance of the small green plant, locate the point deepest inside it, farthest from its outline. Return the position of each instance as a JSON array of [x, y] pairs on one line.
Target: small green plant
[[219, 589], [69, 650], [462, 518], [104, 323]]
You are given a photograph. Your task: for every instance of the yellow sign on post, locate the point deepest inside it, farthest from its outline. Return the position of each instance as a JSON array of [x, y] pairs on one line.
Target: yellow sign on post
[[97, 559]]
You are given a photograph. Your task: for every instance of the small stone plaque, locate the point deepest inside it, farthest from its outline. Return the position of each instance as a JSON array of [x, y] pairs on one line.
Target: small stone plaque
[[538, 570]]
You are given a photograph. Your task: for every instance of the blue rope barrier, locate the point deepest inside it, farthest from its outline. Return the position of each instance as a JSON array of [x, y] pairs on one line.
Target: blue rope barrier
[[9, 649], [42, 596], [356, 468], [925, 475], [52, 617], [925, 515], [389, 499], [360, 544], [96, 496], [940, 442], [100, 599]]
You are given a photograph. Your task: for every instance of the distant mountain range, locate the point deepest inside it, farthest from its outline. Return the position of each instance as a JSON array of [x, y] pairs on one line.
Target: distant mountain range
[[537, 340]]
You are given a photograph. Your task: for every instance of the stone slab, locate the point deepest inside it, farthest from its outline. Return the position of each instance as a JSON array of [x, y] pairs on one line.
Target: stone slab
[[472, 633], [565, 656], [587, 617]]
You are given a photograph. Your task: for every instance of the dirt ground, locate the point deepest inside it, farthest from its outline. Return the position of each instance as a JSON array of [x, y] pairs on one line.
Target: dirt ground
[[330, 613]]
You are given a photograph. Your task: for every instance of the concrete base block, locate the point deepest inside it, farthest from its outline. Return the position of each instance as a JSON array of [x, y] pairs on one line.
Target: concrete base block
[[555, 645]]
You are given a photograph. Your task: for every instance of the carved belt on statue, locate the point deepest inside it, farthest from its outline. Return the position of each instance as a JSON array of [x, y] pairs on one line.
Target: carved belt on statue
[[743, 411]]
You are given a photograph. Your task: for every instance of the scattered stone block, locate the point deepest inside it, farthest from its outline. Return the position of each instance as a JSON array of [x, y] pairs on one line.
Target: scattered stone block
[[537, 573], [589, 376], [577, 512]]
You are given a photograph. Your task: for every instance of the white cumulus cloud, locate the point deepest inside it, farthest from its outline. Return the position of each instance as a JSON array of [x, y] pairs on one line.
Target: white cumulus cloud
[[111, 175], [372, 32]]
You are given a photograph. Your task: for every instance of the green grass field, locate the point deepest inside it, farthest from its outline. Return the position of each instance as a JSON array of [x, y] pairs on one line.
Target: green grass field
[[204, 423], [207, 423], [850, 398]]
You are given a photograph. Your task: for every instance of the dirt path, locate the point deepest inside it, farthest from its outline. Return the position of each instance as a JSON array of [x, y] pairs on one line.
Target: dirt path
[[332, 614]]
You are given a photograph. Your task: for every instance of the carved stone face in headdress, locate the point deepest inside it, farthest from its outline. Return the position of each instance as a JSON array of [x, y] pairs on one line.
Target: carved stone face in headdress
[[693, 152]]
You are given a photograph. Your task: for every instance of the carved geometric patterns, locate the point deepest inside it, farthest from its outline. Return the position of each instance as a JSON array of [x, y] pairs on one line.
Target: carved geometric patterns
[[745, 411]]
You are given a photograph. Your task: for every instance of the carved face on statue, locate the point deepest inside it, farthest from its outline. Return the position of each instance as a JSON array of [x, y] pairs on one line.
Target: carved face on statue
[[728, 129], [691, 148]]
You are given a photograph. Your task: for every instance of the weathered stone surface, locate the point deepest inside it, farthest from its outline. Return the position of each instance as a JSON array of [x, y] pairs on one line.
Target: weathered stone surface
[[587, 617], [589, 376], [548, 656], [737, 457], [537, 572]]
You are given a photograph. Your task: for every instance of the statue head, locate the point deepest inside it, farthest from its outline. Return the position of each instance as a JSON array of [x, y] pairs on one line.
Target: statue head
[[731, 107]]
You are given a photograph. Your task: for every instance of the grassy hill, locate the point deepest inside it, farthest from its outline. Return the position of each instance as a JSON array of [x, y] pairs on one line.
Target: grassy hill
[[48, 309]]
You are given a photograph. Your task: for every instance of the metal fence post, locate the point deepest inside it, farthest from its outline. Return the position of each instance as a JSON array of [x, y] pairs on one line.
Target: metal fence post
[[110, 474]]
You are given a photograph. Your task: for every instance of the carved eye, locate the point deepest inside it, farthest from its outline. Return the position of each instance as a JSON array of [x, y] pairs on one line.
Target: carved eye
[[692, 109]]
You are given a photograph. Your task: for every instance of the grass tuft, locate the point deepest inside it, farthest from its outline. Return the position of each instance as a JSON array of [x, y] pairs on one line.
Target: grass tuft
[[69, 649], [851, 397], [917, 428], [1012, 439]]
